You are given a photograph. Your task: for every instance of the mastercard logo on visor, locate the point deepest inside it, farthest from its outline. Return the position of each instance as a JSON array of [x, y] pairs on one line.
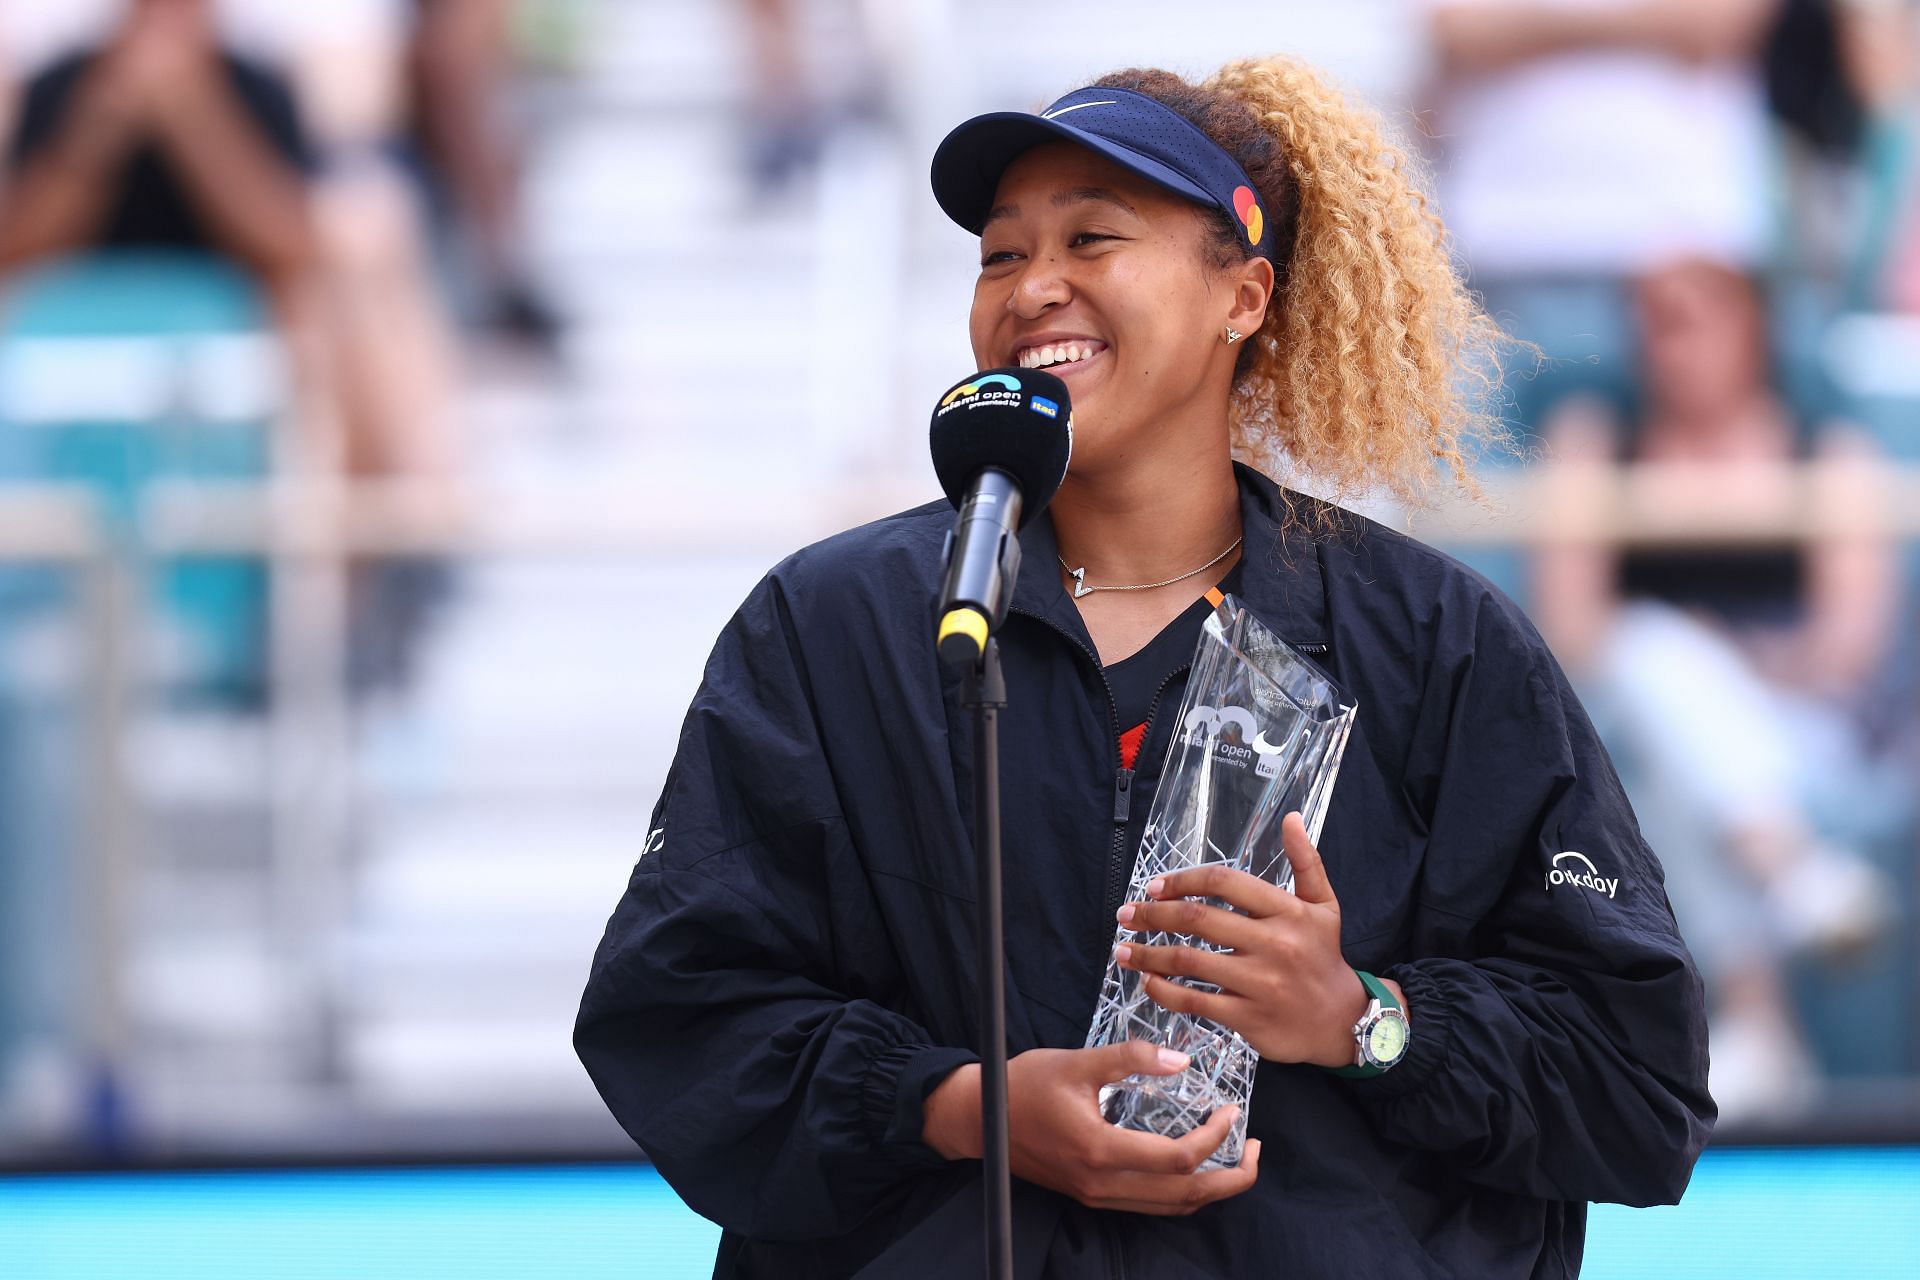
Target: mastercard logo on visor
[[1247, 205]]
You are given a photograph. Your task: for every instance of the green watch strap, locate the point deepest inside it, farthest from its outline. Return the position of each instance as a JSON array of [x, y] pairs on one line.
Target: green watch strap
[[1378, 990]]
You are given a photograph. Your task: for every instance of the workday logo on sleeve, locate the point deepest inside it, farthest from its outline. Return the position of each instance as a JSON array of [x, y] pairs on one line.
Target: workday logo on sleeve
[[1577, 869]]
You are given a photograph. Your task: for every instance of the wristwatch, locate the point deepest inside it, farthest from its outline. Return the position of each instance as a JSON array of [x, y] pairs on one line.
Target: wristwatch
[[1380, 1037]]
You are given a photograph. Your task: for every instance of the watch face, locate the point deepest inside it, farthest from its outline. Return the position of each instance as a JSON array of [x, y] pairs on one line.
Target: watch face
[[1387, 1037]]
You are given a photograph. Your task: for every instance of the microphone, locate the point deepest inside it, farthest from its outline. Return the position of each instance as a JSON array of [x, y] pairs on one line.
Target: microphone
[[1001, 441]]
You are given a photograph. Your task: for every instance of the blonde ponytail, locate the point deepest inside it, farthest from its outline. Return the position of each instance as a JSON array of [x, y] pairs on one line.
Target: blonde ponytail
[[1375, 369]]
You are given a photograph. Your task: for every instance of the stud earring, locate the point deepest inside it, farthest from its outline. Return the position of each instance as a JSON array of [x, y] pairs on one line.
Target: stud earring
[[1233, 335]]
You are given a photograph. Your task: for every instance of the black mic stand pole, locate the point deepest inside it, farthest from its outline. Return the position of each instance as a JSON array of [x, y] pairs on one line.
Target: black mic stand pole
[[985, 692]]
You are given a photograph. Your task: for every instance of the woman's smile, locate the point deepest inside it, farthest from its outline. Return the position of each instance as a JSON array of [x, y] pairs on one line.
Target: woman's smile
[[1067, 360]]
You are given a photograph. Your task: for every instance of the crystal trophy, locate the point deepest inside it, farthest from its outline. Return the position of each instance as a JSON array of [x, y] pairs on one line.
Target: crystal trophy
[[1260, 734]]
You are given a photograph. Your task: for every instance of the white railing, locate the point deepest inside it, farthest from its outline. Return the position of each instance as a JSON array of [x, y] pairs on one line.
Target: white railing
[[306, 533]]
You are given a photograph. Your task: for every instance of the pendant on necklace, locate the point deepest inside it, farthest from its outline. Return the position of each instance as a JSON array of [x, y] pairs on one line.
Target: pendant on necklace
[[1080, 587]]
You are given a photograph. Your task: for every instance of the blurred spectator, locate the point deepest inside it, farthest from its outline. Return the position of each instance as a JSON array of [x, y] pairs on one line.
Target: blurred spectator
[[9, 89], [458, 64], [1879, 59], [1808, 85], [1838, 74], [1584, 140], [785, 130], [283, 161], [160, 137], [279, 155], [792, 111], [388, 339], [1729, 680]]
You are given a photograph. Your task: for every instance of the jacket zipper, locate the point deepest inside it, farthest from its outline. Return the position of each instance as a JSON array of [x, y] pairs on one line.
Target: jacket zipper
[[1118, 865], [1122, 776], [1122, 810]]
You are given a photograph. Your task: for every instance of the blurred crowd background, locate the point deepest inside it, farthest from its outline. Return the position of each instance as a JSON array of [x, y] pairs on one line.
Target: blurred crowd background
[[396, 397]]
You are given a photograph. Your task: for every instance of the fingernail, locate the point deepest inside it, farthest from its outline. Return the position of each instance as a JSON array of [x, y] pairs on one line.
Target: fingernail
[[1123, 953], [1156, 887], [1173, 1060], [1124, 914]]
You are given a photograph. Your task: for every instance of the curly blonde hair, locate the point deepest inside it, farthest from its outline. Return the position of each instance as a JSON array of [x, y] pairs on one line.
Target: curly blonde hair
[[1375, 368]]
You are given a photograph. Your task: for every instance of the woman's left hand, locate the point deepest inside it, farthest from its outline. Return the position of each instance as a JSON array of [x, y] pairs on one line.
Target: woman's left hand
[[1284, 985]]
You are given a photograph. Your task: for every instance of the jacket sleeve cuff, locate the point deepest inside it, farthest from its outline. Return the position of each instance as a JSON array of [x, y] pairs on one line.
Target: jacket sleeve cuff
[[894, 1093], [1430, 1039]]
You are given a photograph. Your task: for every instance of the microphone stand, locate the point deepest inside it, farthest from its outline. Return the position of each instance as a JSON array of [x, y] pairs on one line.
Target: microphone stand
[[985, 692]]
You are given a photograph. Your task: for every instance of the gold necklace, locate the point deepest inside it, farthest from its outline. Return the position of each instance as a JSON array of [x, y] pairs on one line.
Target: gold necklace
[[1079, 576]]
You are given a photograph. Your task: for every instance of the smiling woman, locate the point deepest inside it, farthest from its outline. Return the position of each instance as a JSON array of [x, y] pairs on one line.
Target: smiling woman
[[1244, 268], [1365, 358], [1458, 1050]]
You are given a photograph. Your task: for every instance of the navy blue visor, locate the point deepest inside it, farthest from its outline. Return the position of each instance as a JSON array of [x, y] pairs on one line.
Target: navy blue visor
[[1128, 128]]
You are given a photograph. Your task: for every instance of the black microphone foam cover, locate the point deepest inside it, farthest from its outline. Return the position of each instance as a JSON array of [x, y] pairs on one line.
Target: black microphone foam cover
[[1019, 420]]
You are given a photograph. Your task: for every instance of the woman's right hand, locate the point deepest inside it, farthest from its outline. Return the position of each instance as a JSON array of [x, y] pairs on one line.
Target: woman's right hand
[[1060, 1140]]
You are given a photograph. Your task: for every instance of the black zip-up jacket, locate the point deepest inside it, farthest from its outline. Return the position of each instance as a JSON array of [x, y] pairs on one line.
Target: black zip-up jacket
[[791, 970]]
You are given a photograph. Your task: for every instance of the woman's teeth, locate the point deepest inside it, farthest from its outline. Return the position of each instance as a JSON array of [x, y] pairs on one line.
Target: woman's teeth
[[1065, 353]]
